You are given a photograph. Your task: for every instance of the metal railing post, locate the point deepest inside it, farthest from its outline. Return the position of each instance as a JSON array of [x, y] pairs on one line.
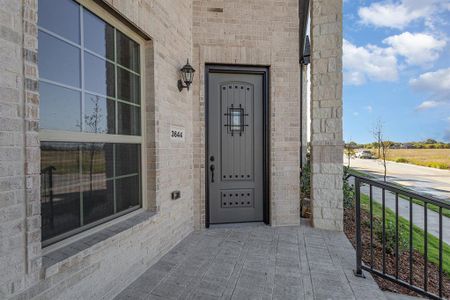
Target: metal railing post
[[358, 272], [406, 279]]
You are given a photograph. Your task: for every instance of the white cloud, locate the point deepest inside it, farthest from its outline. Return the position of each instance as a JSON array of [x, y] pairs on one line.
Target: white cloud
[[369, 108], [369, 62], [428, 105], [438, 81], [417, 48], [401, 13], [437, 85]]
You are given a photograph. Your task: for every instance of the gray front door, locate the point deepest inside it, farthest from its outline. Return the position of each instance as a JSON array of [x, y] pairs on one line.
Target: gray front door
[[235, 146]]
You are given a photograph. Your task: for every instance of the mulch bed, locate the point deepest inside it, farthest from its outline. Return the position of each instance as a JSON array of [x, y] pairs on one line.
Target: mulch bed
[[418, 261]]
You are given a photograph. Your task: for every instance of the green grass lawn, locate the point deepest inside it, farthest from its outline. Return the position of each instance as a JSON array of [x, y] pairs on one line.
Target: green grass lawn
[[418, 234], [445, 212]]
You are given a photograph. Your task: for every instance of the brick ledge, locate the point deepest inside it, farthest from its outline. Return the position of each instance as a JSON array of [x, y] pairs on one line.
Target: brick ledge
[[75, 251]]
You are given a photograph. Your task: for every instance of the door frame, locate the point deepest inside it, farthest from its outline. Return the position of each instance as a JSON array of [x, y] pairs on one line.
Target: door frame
[[242, 69]]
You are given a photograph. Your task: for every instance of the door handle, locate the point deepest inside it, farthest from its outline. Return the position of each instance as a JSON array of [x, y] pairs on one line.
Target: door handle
[[212, 168]]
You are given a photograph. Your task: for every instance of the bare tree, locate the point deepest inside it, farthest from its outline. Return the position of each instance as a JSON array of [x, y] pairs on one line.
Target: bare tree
[[93, 122], [382, 145]]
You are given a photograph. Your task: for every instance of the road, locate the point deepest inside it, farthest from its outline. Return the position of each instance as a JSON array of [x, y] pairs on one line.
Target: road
[[430, 181]]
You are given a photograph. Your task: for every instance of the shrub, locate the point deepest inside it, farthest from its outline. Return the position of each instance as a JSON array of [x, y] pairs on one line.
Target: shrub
[[402, 160], [437, 165], [305, 180], [348, 190], [390, 236]]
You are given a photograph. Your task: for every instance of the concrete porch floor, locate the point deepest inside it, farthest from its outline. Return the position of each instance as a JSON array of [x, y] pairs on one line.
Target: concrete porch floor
[[256, 262]]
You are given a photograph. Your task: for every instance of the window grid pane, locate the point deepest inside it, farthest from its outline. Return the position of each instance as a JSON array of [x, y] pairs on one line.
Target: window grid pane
[[127, 52], [98, 35], [85, 183], [120, 83]]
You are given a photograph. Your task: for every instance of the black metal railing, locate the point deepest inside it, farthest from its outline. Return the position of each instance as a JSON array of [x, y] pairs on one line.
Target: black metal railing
[[410, 197]]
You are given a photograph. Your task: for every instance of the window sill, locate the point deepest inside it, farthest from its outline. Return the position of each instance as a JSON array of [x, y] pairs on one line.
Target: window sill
[[76, 249]]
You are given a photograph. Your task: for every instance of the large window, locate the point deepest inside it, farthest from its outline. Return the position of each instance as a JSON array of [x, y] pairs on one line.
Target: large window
[[90, 119]]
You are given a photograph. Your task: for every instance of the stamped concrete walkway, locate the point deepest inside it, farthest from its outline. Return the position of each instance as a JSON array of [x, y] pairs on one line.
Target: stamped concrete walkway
[[256, 262]]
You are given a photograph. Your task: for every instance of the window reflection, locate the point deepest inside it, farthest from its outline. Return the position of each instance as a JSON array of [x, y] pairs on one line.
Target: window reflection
[[58, 60], [60, 63], [60, 188], [98, 35], [99, 114], [84, 183], [129, 119], [104, 177], [128, 86], [127, 158], [97, 176], [99, 75], [97, 162], [128, 192], [60, 108], [127, 52], [61, 17]]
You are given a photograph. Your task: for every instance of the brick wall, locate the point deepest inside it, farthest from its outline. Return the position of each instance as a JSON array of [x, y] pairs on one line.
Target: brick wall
[[20, 250], [109, 266], [326, 114], [265, 33]]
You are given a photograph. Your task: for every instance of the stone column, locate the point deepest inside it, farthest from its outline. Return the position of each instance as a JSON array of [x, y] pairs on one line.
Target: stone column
[[326, 114]]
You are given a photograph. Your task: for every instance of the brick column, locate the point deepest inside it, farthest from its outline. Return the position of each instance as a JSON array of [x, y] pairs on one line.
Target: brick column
[[326, 114]]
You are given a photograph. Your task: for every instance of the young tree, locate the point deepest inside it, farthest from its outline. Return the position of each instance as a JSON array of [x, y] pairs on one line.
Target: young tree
[[382, 145], [94, 123], [349, 150]]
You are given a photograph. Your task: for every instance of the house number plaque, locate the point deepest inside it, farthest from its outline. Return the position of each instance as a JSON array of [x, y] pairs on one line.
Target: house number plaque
[[177, 134]]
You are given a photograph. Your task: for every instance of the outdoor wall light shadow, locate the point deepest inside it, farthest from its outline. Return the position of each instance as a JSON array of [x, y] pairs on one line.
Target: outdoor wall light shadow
[[187, 75]]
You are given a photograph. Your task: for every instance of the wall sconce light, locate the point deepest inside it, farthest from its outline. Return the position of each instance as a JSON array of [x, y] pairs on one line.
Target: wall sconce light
[[187, 75]]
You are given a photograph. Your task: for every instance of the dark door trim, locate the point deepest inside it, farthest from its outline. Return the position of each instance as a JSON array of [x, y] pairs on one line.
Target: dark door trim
[[242, 69]]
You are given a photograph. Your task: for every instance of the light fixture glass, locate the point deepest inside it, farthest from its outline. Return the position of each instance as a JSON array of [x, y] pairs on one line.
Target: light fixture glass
[[187, 75]]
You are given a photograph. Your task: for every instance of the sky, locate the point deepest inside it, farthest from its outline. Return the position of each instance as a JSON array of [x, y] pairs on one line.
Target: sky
[[397, 69]]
